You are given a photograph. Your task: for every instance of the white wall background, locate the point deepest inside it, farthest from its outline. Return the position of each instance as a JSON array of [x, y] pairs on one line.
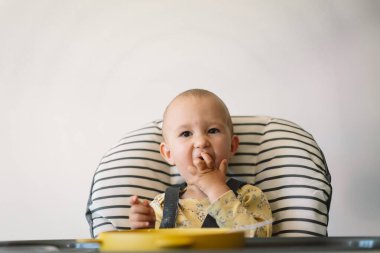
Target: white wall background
[[76, 75]]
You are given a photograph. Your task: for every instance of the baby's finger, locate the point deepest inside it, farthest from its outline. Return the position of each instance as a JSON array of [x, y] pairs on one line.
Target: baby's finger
[[134, 200], [208, 160], [142, 217], [223, 166], [140, 224], [199, 164], [141, 209]]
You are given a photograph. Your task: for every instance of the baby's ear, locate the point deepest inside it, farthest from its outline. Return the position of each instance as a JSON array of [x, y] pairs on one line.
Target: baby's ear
[[234, 144], [166, 154]]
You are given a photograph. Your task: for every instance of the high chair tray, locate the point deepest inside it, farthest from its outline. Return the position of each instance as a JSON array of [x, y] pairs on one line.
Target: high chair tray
[[294, 244]]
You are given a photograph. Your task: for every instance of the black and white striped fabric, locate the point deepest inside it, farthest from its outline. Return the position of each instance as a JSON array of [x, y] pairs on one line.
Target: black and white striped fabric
[[274, 154]]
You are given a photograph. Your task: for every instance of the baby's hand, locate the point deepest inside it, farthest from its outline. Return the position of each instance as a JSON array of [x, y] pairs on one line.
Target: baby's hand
[[141, 214], [205, 165], [207, 177]]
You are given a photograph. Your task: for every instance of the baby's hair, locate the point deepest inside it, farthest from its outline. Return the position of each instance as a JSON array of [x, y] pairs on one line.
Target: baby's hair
[[199, 93]]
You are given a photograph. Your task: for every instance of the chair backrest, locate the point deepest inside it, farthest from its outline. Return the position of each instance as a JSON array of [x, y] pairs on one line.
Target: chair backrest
[[274, 154]]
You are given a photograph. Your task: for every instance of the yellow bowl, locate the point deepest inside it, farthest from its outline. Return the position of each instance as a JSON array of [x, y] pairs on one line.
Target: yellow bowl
[[172, 238]]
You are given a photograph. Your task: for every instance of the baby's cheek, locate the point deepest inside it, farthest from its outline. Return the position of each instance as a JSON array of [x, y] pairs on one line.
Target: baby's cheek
[[185, 173], [223, 155]]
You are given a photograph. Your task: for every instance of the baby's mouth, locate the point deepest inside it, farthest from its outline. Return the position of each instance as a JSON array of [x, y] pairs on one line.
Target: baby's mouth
[[198, 155]]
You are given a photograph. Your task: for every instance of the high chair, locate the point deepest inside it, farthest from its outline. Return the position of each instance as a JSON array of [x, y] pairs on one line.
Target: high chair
[[276, 155]]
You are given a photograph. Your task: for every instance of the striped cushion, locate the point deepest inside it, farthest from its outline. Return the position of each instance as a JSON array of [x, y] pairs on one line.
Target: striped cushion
[[274, 154]]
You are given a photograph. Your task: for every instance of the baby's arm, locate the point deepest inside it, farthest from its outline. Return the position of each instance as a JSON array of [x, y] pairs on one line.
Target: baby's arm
[[250, 208], [141, 214]]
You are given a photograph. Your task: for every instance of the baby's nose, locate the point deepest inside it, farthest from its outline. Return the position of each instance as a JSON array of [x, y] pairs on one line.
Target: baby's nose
[[201, 141]]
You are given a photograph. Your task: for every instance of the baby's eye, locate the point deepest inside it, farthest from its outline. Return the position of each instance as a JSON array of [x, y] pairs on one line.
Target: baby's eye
[[185, 134], [213, 131]]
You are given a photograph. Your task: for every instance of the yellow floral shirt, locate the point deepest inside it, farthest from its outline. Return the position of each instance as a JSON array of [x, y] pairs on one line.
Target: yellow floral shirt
[[229, 211]]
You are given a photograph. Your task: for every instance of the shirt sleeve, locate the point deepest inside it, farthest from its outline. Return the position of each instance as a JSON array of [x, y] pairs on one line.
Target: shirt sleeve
[[157, 205], [247, 209]]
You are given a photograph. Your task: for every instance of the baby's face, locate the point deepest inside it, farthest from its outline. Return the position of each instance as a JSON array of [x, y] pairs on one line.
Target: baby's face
[[194, 125]]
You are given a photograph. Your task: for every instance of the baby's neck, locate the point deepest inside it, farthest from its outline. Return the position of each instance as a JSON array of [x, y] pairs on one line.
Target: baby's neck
[[193, 192]]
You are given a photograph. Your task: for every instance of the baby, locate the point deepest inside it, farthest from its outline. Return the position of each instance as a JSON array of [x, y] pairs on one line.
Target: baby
[[199, 141]]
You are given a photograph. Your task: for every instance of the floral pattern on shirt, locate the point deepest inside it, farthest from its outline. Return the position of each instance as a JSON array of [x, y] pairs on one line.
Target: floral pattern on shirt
[[248, 208]]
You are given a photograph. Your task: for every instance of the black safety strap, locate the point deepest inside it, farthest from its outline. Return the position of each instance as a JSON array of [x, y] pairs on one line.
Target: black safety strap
[[235, 185], [170, 211], [171, 205]]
